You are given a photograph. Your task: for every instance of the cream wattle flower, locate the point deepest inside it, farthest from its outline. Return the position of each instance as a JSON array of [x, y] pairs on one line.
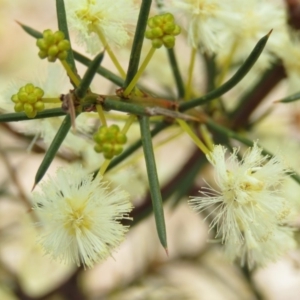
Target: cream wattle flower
[[115, 19], [80, 217], [249, 211]]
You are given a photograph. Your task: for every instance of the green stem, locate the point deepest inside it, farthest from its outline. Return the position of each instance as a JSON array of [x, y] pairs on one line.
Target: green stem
[[193, 136], [48, 113], [51, 100], [70, 73], [128, 124], [139, 72], [135, 146], [188, 91], [109, 51], [101, 115], [176, 73]]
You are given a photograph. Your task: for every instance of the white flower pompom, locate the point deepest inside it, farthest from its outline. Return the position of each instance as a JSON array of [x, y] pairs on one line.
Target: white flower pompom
[[116, 20], [249, 210], [80, 217], [205, 20]]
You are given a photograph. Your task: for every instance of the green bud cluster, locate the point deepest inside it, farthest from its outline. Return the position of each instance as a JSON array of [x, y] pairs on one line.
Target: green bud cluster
[[53, 45], [162, 30], [109, 140], [29, 100]]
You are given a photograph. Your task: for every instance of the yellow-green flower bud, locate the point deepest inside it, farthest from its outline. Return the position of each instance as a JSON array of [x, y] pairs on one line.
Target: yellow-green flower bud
[[39, 106], [157, 43], [22, 96], [107, 147], [28, 108], [38, 92], [169, 41], [19, 107], [121, 138], [29, 100], [42, 54], [58, 36], [117, 149], [41, 44], [162, 30], [64, 45], [14, 98], [29, 88], [53, 46], [98, 148], [108, 155], [53, 50], [148, 34], [114, 128], [169, 27], [157, 32], [31, 114], [109, 140], [176, 30], [168, 17]]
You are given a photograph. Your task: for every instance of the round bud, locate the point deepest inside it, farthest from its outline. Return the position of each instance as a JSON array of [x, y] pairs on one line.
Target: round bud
[[117, 149], [114, 128], [28, 108], [22, 96], [96, 137], [31, 114], [39, 106], [58, 36], [157, 20], [176, 30], [110, 136], [151, 23], [102, 137], [31, 98], [19, 107], [51, 58], [103, 129], [148, 34], [42, 54], [169, 41], [41, 44], [108, 155], [14, 98], [53, 50], [121, 138], [48, 37], [168, 27], [157, 43], [62, 55], [39, 93], [29, 88], [157, 32], [107, 147], [98, 148], [64, 45], [22, 89], [168, 17]]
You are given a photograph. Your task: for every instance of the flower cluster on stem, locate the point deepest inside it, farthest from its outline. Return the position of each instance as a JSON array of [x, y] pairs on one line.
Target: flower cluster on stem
[[249, 211]]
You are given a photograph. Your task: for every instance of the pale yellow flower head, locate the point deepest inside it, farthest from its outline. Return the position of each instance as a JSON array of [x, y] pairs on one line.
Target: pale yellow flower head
[[249, 210], [80, 217], [116, 20]]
